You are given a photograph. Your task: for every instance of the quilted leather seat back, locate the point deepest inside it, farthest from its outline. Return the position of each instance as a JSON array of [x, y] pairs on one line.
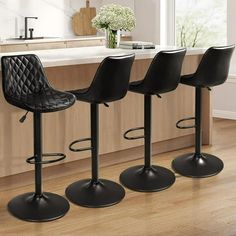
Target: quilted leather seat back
[[23, 75]]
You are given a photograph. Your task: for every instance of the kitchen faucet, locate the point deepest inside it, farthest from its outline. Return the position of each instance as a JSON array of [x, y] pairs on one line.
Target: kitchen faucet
[[26, 25]]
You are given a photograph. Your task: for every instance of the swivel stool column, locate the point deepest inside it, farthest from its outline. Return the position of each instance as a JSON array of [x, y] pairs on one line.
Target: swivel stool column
[[162, 76], [212, 71], [110, 84], [25, 86]]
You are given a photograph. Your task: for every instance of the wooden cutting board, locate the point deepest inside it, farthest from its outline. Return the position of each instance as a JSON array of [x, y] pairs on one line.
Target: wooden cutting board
[[81, 21]]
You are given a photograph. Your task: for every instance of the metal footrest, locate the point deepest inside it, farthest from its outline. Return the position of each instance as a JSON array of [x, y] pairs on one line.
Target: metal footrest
[[80, 149], [134, 137], [60, 156], [185, 127]]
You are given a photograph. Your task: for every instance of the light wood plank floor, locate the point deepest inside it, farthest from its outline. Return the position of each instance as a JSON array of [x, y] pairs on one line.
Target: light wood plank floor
[[190, 207]]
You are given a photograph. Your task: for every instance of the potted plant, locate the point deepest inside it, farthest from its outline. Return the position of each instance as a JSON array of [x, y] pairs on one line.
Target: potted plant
[[112, 18]]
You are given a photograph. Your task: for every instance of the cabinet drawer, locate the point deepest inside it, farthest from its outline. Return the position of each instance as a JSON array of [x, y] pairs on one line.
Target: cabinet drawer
[[84, 43], [14, 48]]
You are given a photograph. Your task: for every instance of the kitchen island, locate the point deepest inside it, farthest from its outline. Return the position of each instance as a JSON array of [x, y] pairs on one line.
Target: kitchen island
[[74, 68]]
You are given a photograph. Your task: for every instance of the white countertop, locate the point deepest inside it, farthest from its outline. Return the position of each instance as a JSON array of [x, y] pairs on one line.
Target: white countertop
[[88, 55], [50, 40]]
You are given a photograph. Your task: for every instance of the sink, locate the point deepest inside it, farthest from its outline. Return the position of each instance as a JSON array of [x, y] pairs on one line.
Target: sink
[[35, 38]]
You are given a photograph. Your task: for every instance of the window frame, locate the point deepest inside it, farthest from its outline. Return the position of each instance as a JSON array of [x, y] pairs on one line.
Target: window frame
[[168, 22]]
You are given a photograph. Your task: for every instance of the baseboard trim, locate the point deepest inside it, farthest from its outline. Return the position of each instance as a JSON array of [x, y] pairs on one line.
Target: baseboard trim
[[231, 78], [231, 115]]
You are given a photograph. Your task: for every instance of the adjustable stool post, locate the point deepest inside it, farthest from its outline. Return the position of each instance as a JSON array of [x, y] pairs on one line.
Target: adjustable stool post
[[198, 122], [38, 206], [97, 192], [38, 153], [197, 164], [25, 85], [147, 130], [147, 177], [94, 140], [157, 81]]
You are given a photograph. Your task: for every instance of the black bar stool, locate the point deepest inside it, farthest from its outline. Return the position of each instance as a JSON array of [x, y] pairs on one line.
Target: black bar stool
[[110, 83], [162, 76], [25, 86], [212, 71]]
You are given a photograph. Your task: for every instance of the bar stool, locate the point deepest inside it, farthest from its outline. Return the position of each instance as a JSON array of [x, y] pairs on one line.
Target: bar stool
[[110, 84], [162, 76], [212, 71], [25, 86]]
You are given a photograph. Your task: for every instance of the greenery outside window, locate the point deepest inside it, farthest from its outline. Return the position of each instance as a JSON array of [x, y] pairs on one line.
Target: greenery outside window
[[200, 23]]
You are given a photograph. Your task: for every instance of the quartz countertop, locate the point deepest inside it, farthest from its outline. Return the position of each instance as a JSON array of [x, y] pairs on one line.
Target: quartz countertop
[[50, 40], [95, 54]]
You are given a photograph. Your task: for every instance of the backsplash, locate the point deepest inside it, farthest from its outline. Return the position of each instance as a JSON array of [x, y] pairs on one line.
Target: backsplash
[[54, 16]]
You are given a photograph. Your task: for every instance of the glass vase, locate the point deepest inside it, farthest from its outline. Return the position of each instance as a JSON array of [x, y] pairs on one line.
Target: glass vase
[[112, 38]]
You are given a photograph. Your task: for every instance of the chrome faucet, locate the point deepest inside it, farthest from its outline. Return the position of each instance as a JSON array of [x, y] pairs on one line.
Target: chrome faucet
[[26, 24]]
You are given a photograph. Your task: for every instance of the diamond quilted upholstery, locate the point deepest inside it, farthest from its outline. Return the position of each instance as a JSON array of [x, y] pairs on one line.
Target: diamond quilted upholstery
[[26, 86]]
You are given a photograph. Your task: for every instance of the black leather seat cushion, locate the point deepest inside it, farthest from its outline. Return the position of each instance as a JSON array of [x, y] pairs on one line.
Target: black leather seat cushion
[[49, 100], [81, 94], [191, 80], [25, 85], [136, 87], [139, 87]]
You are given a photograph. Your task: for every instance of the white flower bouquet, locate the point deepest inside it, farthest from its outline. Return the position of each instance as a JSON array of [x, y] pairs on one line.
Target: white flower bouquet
[[114, 17]]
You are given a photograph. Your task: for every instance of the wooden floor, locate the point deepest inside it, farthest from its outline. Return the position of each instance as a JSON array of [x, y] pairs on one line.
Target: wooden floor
[[190, 207]]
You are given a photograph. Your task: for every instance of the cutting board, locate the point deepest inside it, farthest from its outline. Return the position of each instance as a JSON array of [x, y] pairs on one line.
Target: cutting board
[[81, 21]]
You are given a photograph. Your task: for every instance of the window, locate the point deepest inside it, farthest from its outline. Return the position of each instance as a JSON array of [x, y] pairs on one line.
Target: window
[[200, 23]]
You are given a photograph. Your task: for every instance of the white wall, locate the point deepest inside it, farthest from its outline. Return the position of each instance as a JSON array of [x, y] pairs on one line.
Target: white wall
[[129, 3], [224, 96], [224, 100], [54, 16], [231, 30], [148, 20]]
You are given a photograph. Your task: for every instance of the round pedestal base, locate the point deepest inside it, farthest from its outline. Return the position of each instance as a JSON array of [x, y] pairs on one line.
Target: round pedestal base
[[46, 207], [87, 193], [204, 165], [153, 179]]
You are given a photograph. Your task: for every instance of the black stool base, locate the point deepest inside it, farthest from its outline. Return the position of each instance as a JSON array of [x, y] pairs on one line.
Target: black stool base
[[204, 165], [47, 207], [153, 179], [87, 193]]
